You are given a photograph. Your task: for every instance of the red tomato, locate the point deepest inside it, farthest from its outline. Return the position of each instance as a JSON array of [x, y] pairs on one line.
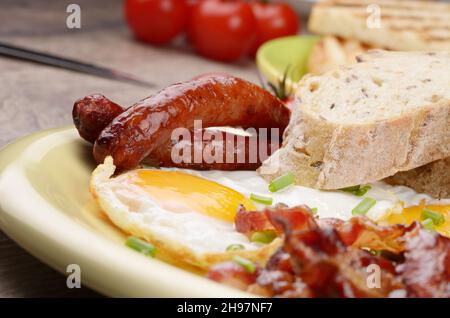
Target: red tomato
[[156, 21], [274, 20], [192, 3], [222, 30]]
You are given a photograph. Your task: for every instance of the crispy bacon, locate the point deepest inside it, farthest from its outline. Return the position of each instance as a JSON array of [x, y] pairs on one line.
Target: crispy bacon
[[232, 274], [358, 231], [330, 258], [330, 268], [247, 222], [426, 270], [362, 232]]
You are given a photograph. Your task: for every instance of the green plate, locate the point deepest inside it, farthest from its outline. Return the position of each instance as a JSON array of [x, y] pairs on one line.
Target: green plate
[[274, 57]]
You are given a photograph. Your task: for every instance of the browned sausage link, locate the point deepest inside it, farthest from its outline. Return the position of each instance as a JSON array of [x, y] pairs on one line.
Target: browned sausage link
[[216, 100], [247, 152], [88, 124], [92, 114]]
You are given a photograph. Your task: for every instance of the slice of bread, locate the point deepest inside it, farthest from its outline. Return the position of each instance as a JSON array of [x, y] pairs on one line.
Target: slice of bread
[[433, 179], [404, 25], [362, 123]]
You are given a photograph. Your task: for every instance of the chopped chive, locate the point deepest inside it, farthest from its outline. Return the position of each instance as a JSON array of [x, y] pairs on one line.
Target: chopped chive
[[247, 264], [261, 199], [375, 252], [436, 217], [281, 182], [428, 224], [263, 236], [357, 190], [314, 211], [364, 206], [235, 247], [141, 246]]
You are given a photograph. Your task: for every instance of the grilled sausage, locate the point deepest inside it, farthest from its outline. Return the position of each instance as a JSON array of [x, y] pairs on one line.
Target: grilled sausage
[[92, 114], [216, 100]]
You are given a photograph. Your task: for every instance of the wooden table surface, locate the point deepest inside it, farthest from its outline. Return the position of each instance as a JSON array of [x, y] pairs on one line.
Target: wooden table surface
[[35, 97]]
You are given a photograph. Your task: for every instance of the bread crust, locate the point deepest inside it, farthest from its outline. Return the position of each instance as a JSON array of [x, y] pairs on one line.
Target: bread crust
[[433, 179]]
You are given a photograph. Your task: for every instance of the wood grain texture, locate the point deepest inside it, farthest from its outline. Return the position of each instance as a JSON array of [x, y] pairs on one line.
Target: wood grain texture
[[35, 97]]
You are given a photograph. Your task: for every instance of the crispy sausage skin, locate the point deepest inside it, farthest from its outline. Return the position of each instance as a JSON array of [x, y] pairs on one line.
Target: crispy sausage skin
[[92, 114], [216, 100]]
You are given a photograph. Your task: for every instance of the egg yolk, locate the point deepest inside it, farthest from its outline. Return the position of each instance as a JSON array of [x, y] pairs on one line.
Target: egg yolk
[[414, 213], [181, 192]]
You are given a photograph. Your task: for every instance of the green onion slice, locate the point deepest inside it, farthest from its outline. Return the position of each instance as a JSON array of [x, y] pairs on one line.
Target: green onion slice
[[357, 190], [141, 246], [436, 217], [247, 264], [264, 237], [261, 199], [235, 247], [281, 182], [364, 206], [428, 224], [314, 211]]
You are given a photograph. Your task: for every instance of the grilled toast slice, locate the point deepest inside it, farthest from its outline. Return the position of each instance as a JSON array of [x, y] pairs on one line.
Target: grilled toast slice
[[404, 25], [331, 52]]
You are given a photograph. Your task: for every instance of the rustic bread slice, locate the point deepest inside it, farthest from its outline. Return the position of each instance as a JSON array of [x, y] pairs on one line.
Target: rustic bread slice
[[361, 123], [433, 179], [404, 25]]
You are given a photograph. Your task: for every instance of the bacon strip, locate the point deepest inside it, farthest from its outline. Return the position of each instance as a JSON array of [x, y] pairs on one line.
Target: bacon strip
[[426, 270], [247, 222], [325, 258], [358, 231]]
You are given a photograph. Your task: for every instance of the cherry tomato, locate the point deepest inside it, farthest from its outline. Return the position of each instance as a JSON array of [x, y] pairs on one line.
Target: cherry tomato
[[192, 3], [156, 21], [222, 30], [273, 20]]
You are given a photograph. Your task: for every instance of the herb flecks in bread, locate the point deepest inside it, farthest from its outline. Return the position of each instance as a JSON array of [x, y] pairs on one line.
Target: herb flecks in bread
[[361, 123]]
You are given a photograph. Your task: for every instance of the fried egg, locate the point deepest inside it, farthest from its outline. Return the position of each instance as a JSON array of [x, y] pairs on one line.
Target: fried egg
[[190, 214], [188, 217]]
